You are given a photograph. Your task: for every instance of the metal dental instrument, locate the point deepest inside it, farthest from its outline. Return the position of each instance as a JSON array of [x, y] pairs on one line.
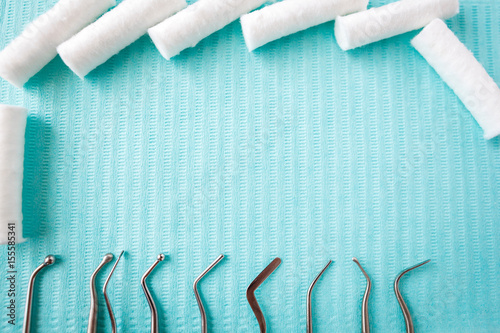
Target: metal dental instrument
[[106, 298], [402, 304], [151, 302], [309, 295], [94, 302], [251, 292], [364, 310], [49, 260], [197, 295]]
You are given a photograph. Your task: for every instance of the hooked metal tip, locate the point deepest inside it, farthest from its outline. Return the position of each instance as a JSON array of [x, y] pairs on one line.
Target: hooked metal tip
[[309, 296], [365, 321], [197, 295], [402, 304], [48, 261], [251, 292], [151, 302], [106, 298]]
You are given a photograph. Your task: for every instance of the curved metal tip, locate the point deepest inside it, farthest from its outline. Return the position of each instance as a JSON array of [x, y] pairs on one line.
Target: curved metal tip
[[159, 259], [361, 268], [94, 304], [197, 295], [309, 296], [111, 272], [403, 272], [106, 298], [107, 258], [49, 260], [208, 269], [147, 293], [251, 292], [365, 322], [309, 291], [402, 304]]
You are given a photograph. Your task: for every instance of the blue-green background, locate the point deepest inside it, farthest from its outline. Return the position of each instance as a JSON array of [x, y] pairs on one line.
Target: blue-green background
[[298, 150]]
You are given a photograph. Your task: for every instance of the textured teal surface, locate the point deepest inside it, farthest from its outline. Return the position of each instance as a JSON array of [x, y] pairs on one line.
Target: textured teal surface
[[298, 150]]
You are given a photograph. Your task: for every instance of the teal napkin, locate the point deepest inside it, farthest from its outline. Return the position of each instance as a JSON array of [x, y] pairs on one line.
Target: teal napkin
[[298, 150]]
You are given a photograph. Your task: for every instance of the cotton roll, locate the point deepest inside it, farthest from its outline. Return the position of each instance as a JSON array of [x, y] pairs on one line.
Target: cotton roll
[[36, 46], [458, 67], [290, 16], [203, 18], [396, 18], [114, 31], [12, 129]]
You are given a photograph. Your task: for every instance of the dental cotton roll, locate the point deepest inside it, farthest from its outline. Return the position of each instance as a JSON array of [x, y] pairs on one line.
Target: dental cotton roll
[[12, 129], [36, 46], [396, 18], [290, 16], [115, 30], [203, 18], [458, 67]]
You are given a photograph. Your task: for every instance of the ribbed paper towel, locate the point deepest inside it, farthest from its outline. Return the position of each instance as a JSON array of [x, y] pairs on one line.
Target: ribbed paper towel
[[297, 150]]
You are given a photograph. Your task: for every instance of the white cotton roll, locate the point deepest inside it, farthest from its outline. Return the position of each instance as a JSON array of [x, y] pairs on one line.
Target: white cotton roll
[[290, 16], [36, 46], [114, 31], [396, 18], [203, 18], [12, 129], [458, 67]]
